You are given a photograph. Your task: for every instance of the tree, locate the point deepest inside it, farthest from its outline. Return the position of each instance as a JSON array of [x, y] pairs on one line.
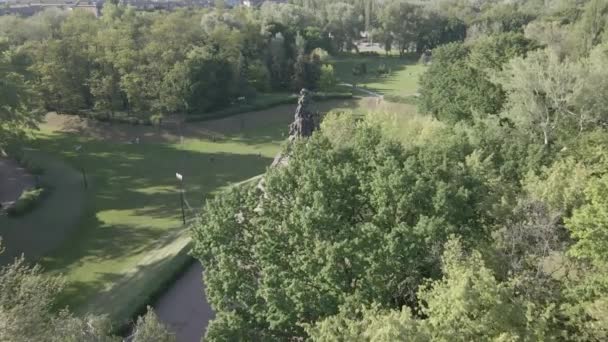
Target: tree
[[542, 91], [592, 24], [403, 21], [493, 51], [468, 303], [210, 77], [436, 30], [335, 225], [589, 224], [19, 107], [277, 61], [343, 24], [452, 90], [369, 324], [327, 80], [501, 18], [382, 37], [27, 311], [148, 328]]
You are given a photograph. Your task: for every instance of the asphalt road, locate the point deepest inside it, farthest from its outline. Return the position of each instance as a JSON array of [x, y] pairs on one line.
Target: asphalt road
[[13, 180], [184, 307]]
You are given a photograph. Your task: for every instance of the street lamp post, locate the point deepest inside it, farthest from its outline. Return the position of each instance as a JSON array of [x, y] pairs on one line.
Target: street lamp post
[[78, 149], [181, 195]]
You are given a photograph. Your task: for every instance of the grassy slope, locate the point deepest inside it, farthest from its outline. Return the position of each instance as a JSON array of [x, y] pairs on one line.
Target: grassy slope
[[129, 239], [402, 81]]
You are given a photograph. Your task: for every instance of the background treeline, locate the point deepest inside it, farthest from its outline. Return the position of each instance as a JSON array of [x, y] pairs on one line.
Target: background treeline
[[484, 218], [150, 64], [156, 63]]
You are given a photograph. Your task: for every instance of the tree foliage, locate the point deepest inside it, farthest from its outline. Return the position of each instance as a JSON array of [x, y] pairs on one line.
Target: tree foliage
[[28, 311], [453, 90], [468, 303], [361, 241], [19, 109]]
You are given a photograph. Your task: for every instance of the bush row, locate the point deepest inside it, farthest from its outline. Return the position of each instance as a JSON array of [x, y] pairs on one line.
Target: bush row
[[27, 201]]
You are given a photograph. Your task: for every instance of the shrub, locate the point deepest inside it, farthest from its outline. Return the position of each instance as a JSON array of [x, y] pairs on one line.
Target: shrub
[[382, 70], [26, 202], [322, 54], [327, 81]]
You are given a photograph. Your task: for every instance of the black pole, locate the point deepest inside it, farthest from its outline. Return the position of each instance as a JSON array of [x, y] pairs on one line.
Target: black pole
[[181, 197], [84, 178]]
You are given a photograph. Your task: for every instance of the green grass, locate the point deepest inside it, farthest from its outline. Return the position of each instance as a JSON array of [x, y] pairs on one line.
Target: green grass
[[121, 240], [131, 231], [402, 82]]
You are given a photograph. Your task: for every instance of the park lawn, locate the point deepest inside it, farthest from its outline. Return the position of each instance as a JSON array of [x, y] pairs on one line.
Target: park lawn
[[130, 233], [127, 241], [402, 82]]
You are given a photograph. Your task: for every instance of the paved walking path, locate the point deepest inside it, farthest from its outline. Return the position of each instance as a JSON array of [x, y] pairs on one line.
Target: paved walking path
[[368, 92], [13, 180], [45, 228], [184, 307]]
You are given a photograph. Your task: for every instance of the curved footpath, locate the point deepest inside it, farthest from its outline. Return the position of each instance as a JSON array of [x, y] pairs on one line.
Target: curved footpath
[[13, 180], [47, 226], [184, 307]]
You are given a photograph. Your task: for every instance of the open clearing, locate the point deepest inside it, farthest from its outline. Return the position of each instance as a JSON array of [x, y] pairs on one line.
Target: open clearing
[[401, 82]]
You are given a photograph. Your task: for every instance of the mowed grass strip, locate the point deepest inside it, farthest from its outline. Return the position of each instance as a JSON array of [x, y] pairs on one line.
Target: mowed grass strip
[[402, 81], [129, 239]]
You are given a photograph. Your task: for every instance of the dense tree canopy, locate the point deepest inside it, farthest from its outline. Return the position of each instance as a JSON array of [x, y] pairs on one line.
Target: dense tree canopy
[[18, 102], [337, 225], [453, 89]]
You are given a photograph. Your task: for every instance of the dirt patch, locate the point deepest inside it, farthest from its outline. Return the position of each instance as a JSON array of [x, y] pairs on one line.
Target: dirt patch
[[13, 180]]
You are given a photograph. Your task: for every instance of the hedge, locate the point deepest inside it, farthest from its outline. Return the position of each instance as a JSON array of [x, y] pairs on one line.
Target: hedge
[[26, 202]]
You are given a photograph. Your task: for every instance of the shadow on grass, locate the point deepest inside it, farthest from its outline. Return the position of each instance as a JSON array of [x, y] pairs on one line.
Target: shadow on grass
[[344, 67], [268, 126]]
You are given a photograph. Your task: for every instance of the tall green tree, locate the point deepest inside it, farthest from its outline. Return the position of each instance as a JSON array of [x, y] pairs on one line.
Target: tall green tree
[[19, 104], [339, 223], [545, 95], [453, 90], [403, 21], [468, 303]]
